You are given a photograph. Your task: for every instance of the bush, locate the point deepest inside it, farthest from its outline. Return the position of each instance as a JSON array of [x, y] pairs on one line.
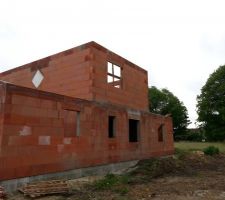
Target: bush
[[195, 136], [106, 183], [113, 182], [181, 153], [215, 134], [211, 150]]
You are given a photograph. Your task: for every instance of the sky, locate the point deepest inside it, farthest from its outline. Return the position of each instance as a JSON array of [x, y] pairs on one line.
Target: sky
[[179, 42]]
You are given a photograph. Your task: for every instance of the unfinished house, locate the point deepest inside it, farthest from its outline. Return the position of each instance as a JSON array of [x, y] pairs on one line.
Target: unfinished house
[[83, 107]]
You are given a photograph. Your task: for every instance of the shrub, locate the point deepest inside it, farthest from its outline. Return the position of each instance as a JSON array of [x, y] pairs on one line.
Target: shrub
[[114, 183], [195, 136], [181, 153], [211, 150], [106, 183]]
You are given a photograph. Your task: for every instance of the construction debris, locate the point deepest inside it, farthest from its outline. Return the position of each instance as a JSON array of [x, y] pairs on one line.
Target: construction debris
[[2, 193], [45, 188]]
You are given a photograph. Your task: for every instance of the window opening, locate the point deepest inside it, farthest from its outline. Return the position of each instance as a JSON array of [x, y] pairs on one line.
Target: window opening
[[114, 75], [78, 124], [37, 79], [111, 126], [133, 130], [160, 133]]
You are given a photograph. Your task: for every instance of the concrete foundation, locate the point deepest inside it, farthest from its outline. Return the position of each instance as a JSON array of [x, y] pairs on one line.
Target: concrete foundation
[[14, 184]]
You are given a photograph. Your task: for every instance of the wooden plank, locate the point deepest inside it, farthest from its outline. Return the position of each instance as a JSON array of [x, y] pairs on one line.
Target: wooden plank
[[45, 188]]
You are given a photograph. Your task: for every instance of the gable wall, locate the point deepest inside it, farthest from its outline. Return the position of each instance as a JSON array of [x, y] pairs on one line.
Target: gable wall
[[81, 72], [66, 73]]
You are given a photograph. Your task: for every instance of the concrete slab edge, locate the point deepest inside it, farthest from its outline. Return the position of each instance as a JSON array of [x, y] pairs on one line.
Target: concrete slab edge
[[13, 184]]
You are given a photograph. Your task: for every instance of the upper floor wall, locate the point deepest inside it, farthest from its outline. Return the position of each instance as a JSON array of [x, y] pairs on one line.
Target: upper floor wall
[[89, 72], [117, 80], [67, 73]]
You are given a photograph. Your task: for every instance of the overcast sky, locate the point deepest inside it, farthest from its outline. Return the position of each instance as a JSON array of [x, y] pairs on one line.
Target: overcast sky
[[179, 42]]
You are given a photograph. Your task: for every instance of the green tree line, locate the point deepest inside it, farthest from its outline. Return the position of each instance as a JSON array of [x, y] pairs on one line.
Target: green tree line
[[164, 102], [211, 106], [210, 109]]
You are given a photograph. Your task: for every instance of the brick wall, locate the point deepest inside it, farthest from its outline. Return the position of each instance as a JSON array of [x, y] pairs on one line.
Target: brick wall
[[66, 73], [38, 134], [134, 87], [81, 72]]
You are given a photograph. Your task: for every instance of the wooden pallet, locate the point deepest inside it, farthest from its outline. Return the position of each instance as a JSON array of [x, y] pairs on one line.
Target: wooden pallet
[[2, 193], [45, 187]]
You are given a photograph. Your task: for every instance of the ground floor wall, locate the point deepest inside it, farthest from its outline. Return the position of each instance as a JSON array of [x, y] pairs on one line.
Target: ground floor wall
[[45, 133]]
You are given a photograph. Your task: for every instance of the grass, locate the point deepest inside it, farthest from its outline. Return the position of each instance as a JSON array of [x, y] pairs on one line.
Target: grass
[[115, 183], [190, 146]]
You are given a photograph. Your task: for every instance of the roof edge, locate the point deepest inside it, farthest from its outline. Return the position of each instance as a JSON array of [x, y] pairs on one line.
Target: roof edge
[[70, 51], [104, 49]]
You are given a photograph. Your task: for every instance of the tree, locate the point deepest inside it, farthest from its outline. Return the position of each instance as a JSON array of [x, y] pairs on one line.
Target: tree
[[211, 106], [164, 102]]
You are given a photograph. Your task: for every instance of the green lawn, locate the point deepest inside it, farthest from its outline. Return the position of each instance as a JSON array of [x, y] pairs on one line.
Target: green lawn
[[199, 145]]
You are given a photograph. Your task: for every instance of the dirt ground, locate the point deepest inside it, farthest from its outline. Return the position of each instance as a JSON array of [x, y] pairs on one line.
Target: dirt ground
[[189, 177]]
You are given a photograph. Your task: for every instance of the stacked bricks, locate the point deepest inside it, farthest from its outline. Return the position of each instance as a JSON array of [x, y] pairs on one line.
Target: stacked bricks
[[34, 138], [81, 72]]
